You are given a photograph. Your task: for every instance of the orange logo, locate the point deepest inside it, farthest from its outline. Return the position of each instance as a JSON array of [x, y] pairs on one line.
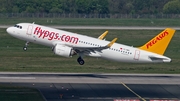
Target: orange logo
[[156, 39]]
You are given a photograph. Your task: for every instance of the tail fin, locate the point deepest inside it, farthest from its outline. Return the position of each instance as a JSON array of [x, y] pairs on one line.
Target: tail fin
[[160, 42]]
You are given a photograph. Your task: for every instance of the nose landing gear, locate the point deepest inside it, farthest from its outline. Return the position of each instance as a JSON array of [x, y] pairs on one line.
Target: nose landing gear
[[25, 47]]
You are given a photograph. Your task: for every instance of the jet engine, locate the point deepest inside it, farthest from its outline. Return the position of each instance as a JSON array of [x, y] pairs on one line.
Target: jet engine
[[63, 50]]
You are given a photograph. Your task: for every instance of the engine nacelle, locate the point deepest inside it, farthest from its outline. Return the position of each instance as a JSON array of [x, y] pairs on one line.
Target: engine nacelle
[[63, 50]]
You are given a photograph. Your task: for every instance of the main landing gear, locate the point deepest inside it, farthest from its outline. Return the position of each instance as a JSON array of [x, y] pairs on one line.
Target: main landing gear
[[25, 47], [80, 61]]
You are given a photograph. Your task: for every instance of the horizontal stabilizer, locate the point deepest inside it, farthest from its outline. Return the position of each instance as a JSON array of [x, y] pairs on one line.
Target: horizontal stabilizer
[[155, 58], [159, 59]]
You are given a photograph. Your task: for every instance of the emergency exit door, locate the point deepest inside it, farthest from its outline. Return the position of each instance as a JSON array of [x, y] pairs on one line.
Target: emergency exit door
[[136, 55]]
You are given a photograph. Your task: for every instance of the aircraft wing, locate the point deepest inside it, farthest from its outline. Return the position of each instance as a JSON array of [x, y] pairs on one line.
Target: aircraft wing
[[89, 49], [92, 49]]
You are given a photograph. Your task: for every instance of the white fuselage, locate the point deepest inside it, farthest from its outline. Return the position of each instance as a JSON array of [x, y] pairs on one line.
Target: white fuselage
[[50, 37]]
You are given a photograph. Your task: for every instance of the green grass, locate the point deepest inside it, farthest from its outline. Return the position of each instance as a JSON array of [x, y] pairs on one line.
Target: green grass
[[15, 93], [93, 21], [41, 59]]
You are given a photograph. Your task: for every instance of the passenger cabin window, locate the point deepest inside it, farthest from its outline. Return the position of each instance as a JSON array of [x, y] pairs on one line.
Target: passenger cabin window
[[18, 26]]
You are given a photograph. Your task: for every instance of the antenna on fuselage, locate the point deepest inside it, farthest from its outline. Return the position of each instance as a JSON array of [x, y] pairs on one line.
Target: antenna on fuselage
[[33, 22]]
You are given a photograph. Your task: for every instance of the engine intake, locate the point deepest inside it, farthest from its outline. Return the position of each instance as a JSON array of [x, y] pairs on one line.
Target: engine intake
[[63, 50]]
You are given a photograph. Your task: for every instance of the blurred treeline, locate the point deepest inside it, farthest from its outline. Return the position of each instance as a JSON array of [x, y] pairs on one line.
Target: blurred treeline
[[91, 6]]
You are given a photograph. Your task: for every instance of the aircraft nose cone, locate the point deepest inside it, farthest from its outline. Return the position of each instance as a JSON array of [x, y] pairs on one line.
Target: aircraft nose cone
[[9, 30]]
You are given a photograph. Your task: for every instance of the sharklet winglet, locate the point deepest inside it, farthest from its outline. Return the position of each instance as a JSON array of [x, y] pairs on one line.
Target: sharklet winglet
[[103, 35], [111, 43]]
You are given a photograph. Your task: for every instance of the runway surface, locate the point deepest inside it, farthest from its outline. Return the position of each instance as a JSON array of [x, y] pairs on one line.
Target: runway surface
[[98, 87], [89, 78], [106, 27]]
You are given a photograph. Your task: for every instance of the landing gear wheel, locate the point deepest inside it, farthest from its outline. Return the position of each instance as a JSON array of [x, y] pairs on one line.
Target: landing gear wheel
[[25, 48], [80, 61]]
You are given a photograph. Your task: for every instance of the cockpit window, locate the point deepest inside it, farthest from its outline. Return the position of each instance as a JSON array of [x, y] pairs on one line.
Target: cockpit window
[[15, 25], [18, 26]]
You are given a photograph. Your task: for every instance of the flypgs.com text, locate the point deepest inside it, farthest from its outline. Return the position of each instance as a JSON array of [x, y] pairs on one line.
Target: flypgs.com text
[[54, 35]]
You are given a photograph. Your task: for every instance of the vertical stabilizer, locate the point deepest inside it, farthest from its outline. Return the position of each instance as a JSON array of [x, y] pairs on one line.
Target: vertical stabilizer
[[160, 42]]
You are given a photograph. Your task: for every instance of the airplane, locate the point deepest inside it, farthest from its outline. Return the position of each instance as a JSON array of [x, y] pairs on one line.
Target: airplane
[[67, 44]]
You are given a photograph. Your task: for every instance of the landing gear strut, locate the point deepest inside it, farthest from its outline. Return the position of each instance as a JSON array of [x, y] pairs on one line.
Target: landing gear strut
[[25, 47], [80, 61]]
